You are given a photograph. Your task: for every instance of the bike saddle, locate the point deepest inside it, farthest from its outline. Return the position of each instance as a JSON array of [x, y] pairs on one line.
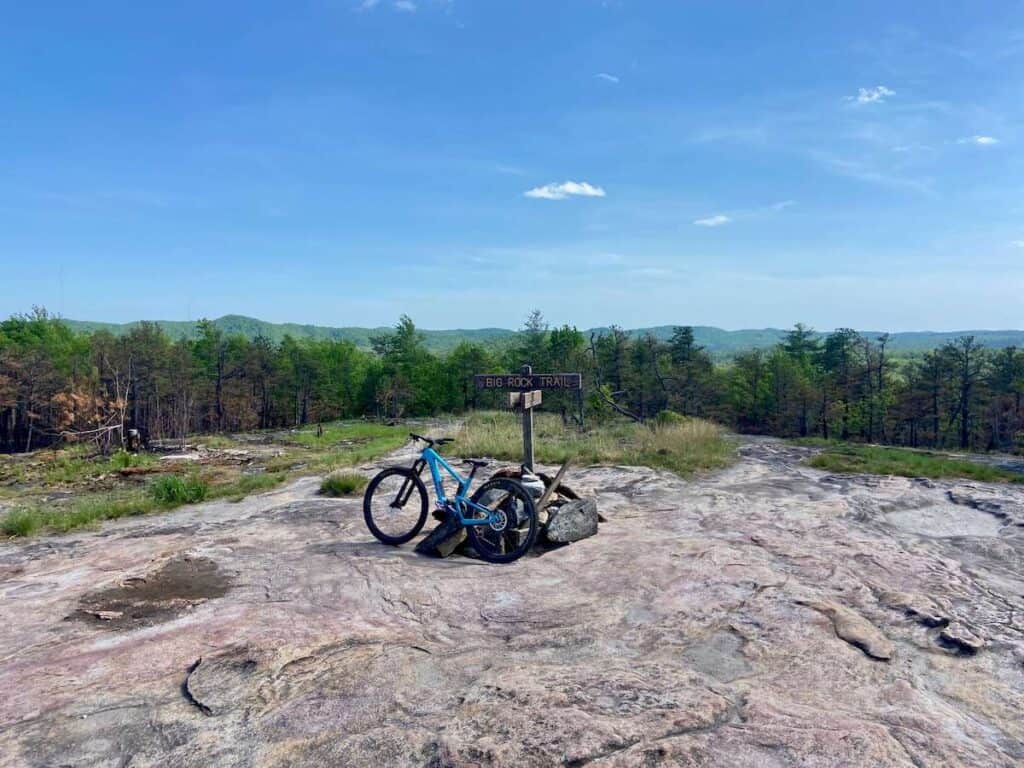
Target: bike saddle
[[431, 440], [476, 462]]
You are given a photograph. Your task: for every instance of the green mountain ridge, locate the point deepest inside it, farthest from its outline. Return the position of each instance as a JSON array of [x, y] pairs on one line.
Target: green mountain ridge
[[720, 342]]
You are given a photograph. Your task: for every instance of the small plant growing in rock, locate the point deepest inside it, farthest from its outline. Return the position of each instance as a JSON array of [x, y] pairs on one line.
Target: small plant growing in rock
[[344, 484], [171, 489]]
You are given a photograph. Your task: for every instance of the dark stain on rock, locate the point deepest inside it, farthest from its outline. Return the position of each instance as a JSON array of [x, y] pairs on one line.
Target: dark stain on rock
[[140, 601]]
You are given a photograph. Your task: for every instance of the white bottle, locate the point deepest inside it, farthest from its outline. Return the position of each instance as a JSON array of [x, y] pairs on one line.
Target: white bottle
[[533, 484]]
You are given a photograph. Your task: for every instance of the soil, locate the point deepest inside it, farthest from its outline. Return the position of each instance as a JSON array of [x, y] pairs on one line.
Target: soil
[[178, 585]]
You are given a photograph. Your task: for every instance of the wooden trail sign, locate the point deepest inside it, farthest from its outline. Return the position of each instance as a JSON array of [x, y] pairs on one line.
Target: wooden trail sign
[[528, 395], [524, 400], [524, 380]]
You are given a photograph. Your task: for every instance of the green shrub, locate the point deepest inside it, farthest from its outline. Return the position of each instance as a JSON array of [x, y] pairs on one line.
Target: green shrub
[[172, 489], [667, 417], [344, 484]]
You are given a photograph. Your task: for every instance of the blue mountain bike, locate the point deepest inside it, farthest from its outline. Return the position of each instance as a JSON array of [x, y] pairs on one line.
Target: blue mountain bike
[[500, 517]]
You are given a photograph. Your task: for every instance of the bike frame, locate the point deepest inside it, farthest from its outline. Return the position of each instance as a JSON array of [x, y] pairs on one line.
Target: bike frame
[[436, 463]]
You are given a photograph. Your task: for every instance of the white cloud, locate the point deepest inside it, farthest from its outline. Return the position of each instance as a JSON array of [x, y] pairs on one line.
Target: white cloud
[[874, 95], [981, 141], [783, 205], [405, 5], [607, 77], [367, 5], [564, 190], [1018, 243], [713, 221]]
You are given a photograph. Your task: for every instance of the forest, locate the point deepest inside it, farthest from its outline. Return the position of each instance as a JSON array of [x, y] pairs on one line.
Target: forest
[[58, 385]]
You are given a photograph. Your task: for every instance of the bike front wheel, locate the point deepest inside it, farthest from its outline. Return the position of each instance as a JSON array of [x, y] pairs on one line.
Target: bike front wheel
[[514, 531], [395, 505]]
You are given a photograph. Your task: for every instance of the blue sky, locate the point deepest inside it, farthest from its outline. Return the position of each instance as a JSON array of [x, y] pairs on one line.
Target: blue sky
[[344, 161]]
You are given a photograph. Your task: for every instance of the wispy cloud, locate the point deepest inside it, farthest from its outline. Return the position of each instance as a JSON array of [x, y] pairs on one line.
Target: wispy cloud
[[713, 221], [1017, 243], [510, 170], [564, 190], [607, 77], [408, 6], [981, 141], [747, 214], [367, 5], [875, 95], [861, 171]]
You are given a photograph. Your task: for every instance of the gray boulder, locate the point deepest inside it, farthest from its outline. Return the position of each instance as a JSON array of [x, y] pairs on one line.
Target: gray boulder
[[572, 521]]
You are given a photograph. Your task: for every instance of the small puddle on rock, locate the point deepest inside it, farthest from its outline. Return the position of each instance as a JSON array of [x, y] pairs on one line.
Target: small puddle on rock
[[158, 596], [945, 521]]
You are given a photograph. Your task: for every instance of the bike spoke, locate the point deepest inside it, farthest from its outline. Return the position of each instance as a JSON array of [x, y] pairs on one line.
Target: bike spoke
[[514, 528]]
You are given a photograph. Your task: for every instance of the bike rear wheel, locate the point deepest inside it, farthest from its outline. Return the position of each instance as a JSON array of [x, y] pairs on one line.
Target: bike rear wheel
[[395, 505], [514, 533]]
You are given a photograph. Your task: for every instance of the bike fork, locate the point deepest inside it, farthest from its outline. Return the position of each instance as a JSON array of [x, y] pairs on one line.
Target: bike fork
[[407, 487]]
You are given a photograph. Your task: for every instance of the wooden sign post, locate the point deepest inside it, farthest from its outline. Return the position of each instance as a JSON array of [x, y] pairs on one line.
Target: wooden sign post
[[528, 395]]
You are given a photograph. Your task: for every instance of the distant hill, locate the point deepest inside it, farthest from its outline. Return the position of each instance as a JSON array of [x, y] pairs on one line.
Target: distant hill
[[718, 341], [250, 327]]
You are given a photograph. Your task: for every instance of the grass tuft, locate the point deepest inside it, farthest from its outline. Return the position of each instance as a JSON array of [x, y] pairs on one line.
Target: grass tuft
[[20, 522], [248, 484], [344, 484], [172, 489]]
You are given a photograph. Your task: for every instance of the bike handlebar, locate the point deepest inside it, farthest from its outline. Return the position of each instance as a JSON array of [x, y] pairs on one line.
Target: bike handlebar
[[432, 440]]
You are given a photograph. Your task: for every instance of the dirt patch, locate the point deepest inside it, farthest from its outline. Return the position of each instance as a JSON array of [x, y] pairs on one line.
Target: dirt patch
[[140, 601]]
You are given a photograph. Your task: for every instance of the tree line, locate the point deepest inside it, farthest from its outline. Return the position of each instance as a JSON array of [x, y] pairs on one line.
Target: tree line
[[56, 384]]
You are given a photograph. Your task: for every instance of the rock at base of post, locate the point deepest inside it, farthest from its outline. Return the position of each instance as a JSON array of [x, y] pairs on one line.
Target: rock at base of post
[[444, 539], [571, 521]]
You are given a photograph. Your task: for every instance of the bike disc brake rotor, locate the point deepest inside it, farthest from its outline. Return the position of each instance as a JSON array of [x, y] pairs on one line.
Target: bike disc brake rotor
[[500, 523]]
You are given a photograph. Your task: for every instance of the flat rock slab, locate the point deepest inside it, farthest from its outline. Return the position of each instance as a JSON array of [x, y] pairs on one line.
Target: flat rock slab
[[766, 615]]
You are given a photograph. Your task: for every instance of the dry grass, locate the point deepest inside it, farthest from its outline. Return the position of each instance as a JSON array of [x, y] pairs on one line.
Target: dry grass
[[690, 446]]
